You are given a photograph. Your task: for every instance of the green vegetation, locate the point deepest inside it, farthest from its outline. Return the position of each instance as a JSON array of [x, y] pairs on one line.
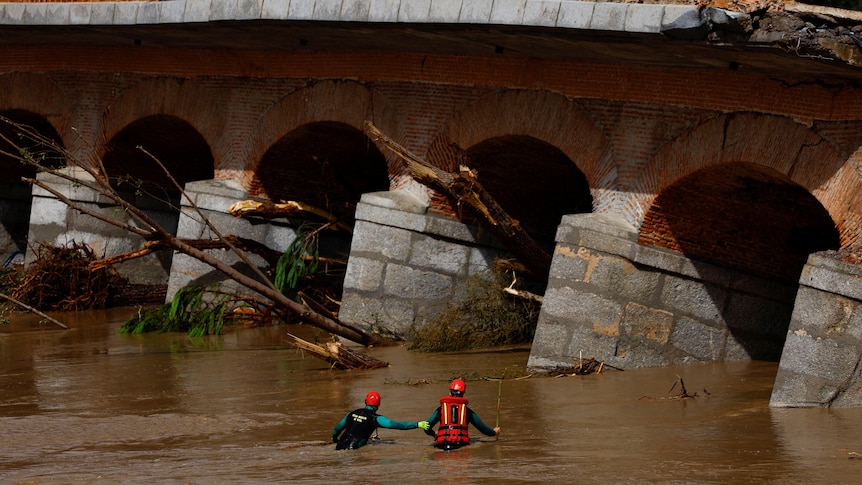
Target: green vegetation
[[189, 312], [205, 312], [300, 260], [485, 317]]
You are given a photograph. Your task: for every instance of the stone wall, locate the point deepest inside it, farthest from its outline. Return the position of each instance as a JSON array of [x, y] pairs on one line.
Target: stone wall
[[631, 305], [820, 365], [406, 263]]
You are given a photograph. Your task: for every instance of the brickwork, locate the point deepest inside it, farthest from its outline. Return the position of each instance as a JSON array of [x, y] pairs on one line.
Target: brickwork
[[633, 132]]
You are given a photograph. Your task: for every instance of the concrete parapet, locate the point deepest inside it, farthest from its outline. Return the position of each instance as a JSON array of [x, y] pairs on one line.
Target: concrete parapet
[[821, 365], [629, 305], [406, 264], [566, 14]]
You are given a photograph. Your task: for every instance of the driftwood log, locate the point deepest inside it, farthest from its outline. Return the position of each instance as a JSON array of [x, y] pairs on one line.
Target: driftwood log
[[337, 354], [463, 188]]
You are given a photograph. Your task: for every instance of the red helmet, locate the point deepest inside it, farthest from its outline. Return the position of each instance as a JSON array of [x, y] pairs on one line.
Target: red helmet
[[372, 399], [458, 385]]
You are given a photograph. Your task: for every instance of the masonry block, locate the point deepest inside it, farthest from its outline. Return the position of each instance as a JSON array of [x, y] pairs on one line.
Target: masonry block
[[541, 12], [575, 15], [703, 342]]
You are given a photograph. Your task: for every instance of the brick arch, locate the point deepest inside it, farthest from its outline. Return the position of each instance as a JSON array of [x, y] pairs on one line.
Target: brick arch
[[41, 145], [178, 98], [543, 115], [324, 163], [783, 145], [743, 216], [37, 94], [536, 152], [346, 102], [170, 140]]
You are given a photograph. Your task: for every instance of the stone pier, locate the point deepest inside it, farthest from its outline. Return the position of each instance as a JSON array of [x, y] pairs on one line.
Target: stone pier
[[52, 221], [213, 198], [821, 365], [630, 305], [406, 263]]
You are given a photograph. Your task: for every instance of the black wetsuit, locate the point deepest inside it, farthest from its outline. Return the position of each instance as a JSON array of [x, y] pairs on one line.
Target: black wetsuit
[[358, 426]]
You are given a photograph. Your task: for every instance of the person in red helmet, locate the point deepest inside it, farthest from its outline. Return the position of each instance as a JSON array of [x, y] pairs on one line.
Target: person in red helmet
[[358, 425], [454, 417]]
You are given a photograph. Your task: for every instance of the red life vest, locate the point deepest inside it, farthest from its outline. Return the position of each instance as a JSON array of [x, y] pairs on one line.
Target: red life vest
[[453, 421]]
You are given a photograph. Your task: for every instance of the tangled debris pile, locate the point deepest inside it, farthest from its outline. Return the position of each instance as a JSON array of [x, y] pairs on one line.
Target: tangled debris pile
[[809, 31], [59, 279]]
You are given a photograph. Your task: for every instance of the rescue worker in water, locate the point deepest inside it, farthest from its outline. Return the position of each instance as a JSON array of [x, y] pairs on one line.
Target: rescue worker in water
[[454, 417], [359, 424]]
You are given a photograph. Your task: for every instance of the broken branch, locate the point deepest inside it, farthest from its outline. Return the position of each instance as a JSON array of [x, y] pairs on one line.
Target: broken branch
[[37, 312], [464, 188], [272, 210]]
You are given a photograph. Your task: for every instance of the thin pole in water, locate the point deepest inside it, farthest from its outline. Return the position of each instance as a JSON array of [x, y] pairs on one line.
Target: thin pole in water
[[499, 395]]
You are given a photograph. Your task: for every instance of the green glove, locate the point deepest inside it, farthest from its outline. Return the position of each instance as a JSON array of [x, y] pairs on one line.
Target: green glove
[[424, 425]]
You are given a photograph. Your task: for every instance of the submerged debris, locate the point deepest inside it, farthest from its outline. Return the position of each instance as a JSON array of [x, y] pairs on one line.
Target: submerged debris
[[485, 317], [202, 311], [338, 355], [683, 393], [580, 367], [852, 455]]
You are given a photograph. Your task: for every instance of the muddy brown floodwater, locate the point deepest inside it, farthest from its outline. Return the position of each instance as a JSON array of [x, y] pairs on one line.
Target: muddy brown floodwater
[[90, 405]]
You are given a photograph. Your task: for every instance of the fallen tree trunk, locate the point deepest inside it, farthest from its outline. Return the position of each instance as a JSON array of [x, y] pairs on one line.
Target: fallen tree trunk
[[271, 256], [146, 227], [265, 289], [830, 13], [463, 188]]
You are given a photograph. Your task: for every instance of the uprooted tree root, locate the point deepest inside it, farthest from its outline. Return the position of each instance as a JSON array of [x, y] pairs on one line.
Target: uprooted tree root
[[59, 279]]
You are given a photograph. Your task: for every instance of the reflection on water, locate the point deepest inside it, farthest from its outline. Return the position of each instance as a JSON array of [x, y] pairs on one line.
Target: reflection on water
[[88, 404]]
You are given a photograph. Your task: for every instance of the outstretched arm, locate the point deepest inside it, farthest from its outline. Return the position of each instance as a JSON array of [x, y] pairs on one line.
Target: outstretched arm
[[480, 425], [385, 422], [435, 417]]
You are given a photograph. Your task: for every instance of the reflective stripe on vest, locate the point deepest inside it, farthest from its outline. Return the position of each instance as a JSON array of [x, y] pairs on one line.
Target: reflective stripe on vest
[[453, 421]]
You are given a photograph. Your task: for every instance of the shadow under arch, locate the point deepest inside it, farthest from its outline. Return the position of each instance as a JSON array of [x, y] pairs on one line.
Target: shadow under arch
[[170, 140], [326, 164], [533, 181], [16, 200], [329, 165], [141, 181], [748, 218], [549, 136]]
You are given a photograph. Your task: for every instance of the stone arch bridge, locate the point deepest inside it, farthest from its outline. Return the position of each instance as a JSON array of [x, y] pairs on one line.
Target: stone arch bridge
[[700, 190]]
